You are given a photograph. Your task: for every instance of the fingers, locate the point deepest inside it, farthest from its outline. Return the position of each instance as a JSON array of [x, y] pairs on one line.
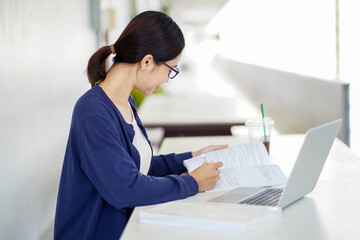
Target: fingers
[[218, 164], [209, 148], [207, 175], [214, 165], [216, 172], [219, 147]]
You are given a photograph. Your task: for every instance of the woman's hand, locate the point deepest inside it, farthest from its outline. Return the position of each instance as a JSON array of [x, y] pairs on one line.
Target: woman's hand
[[208, 149], [207, 175]]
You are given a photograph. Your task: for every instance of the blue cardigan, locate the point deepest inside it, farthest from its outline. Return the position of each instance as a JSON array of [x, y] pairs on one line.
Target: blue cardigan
[[100, 182]]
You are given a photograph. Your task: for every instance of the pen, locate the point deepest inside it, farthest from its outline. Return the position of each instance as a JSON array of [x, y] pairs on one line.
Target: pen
[[205, 158]]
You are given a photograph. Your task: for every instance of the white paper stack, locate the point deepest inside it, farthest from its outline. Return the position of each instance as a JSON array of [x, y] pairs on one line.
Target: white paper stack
[[210, 215]]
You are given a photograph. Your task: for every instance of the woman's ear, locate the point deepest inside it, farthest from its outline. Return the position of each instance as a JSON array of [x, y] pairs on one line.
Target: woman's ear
[[147, 63]]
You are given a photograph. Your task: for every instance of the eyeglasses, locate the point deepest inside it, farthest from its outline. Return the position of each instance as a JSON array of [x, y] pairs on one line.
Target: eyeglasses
[[173, 72]]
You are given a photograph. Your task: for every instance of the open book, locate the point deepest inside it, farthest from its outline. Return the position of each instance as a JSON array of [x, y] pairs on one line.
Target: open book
[[245, 165]]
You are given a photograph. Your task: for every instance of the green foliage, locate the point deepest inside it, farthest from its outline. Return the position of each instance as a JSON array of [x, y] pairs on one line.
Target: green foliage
[[139, 97], [165, 9]]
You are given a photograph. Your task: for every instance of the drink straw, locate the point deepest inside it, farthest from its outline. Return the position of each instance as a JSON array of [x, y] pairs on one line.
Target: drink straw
[[262, 111]]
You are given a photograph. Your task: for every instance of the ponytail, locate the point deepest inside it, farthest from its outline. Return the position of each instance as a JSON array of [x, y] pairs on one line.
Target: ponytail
[[96, 69]]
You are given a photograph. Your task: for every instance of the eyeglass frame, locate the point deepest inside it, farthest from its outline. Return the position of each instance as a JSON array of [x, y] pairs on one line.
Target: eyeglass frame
[[176, 70]]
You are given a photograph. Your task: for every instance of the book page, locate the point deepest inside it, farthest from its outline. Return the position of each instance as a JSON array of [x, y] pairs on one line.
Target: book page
[[252, 176], [242, 155]]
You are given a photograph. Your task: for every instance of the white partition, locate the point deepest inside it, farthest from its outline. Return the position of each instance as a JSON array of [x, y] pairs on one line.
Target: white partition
[[295, 102], [44, 48]]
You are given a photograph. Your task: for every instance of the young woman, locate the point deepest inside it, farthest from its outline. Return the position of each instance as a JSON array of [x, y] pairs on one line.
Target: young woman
[[109, 168]]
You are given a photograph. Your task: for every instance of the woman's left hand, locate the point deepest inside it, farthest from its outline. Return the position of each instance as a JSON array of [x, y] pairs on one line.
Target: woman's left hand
[[208, 149]]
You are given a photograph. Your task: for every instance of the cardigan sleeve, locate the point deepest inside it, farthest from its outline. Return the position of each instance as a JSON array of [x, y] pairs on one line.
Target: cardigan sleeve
[[114, 174], [168, 164]]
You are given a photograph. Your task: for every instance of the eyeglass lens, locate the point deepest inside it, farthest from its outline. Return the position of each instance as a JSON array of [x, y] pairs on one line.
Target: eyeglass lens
[[172, 74]]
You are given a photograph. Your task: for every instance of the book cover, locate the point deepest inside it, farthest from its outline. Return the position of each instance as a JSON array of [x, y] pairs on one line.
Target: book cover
[[210, 215]]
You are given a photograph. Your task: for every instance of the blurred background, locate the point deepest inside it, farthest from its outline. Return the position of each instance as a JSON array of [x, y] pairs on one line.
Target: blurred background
[[299, 58]]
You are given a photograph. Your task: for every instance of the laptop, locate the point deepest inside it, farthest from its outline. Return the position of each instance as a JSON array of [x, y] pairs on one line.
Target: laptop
[[304, 175]]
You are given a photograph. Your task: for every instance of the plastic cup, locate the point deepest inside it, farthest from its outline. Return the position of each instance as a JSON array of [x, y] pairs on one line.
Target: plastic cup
[[255, 128]]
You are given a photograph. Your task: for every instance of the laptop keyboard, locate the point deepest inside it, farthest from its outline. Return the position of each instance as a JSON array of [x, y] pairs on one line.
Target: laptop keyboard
[[268, 197]]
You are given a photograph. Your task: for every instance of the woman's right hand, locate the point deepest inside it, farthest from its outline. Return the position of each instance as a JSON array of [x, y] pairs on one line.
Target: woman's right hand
[[207, 175]]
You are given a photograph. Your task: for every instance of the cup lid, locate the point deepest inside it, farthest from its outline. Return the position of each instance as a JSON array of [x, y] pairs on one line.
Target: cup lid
[[258, 121]]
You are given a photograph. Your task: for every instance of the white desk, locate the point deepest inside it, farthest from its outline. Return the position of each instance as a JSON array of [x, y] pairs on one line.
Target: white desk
[[329, 212], [195, 115]]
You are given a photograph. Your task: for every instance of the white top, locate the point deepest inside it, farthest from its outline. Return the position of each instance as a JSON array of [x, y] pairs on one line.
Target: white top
[[142, 146]]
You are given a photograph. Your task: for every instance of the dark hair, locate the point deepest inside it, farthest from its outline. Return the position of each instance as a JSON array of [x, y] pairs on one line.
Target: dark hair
[[149, 32]]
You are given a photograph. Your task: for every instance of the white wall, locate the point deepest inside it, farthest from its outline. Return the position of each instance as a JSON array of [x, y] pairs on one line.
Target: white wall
[[297, 37], [44, 49], [294, 36]]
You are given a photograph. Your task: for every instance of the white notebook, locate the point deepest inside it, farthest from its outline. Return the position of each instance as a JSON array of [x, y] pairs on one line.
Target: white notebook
[[210, 215]]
